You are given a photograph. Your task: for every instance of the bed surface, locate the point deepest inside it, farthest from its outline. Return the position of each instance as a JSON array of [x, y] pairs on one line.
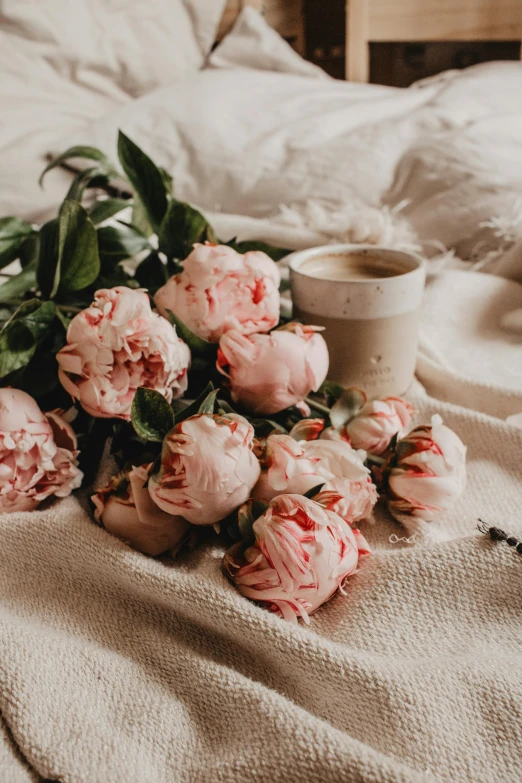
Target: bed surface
[[114, 666]]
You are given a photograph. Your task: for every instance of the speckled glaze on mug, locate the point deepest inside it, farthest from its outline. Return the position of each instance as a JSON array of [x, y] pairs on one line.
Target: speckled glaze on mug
[[369, 300]]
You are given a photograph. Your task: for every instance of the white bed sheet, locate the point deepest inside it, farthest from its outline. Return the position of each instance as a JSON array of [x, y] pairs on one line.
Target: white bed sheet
[[261, 128]]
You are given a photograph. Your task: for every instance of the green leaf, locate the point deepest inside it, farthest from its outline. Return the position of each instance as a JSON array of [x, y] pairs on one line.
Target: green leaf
[[139, 218], [264, 427], [13, 233], [168, 181], [29, 250], [145, 178], [64, 319], [197, 345], [48, 256], [118, 243], [21, 335], [151, 273], [247, 515], [103, 210], [275, 253], [347, 406], [314, 491], [209, 403], [181, 228], [90, 153], [335, 390], [151, 415], [17, 287], [78, 259], [90, 178], [193, 408]]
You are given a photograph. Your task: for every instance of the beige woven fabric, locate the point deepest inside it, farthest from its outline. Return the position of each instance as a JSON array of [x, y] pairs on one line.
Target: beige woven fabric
[[117, 667]]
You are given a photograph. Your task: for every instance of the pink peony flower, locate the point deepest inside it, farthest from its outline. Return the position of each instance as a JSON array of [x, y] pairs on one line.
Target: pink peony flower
[[296, 468], [37, 454], [376, 423], [116, 345], [427, 475], [302, 554], [126, 509], [220, 289], [269, 372], [208, 468]]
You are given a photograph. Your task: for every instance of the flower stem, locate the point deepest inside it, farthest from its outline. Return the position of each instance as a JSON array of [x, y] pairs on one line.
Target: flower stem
[[318, 406], [375, 460], [70, 308]]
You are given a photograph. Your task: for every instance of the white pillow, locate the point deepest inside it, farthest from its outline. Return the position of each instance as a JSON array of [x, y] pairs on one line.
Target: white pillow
[[136, 44]]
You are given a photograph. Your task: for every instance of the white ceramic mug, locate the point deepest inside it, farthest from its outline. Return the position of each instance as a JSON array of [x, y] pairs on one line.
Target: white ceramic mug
[[369, 300]]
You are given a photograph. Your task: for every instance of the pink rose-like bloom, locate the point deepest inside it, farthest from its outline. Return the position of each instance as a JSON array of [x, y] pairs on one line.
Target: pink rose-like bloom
[[428, 474], [296, 468], [37, 453], [220, 289], [208, 468], [303, 553], [116, 345], [269, 372], [377, 422], [126, 510]]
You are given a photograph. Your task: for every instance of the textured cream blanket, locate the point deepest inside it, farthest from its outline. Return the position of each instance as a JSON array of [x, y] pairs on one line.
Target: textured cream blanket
[[117, 667]]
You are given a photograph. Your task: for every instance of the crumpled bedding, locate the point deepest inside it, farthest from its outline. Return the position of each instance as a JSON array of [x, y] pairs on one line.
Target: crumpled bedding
[[259, 128], [115, 666]]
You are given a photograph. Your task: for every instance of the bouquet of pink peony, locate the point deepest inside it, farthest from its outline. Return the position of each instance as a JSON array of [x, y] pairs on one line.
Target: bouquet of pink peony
[[130, 329]]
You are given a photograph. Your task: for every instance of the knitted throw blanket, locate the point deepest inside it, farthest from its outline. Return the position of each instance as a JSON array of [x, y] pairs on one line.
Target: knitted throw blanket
[[118, 667]]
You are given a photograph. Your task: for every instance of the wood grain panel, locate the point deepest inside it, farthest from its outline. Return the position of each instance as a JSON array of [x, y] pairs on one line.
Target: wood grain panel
[[444, 20], [285, 16]]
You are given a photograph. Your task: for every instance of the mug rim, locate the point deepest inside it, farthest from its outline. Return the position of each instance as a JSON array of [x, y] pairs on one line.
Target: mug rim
[[298, 257]]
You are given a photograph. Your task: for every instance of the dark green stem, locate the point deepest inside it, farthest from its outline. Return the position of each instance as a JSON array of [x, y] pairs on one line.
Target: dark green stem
[[318, 406]]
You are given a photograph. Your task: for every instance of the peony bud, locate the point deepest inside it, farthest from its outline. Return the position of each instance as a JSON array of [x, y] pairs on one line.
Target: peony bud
[[220, 289], [126, 510], [208, 468], [427, 474], [37, 453], [375, 425], [268, 373], [378, 421], [296, 468], [302, 554], [116, 345]]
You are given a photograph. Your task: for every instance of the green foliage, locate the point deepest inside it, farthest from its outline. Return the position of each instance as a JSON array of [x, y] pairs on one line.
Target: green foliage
[[89, 153], [22, 334], [209, 403], [194, 408], [68, 259], [181, 228], [48, 256], [16, 287], [314, 491], [275, 253], [347, 406], [13, 233], [151, 273], [151, 415], [198, 346], [78, 260], [119, 242], [145, 178], [107, 208]]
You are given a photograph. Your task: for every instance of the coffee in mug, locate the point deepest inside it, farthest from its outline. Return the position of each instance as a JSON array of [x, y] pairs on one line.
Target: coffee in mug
[[369, 300]]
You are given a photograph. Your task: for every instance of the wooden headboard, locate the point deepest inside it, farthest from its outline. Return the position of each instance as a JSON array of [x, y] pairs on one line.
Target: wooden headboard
[[393, 20], [425, 20], [285, 16]]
